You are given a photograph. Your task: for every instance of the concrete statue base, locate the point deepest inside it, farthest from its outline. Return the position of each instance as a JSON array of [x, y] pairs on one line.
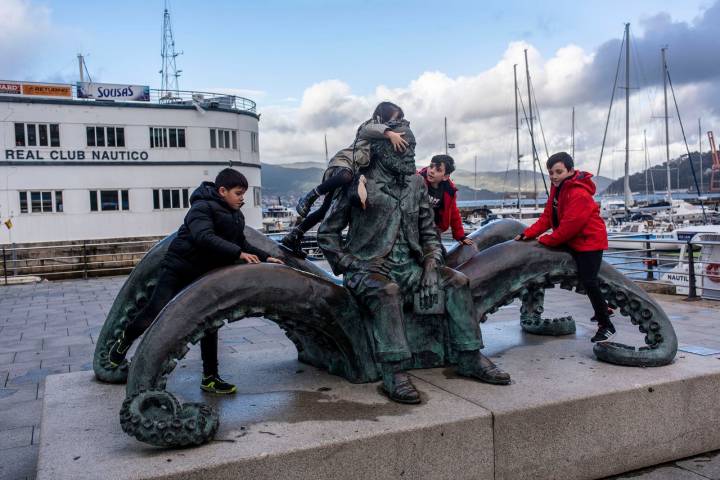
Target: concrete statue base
[[566, 415]]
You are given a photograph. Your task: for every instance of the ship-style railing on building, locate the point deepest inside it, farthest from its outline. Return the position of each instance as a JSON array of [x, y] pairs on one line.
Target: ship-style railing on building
[[205, 100], [194, 98]]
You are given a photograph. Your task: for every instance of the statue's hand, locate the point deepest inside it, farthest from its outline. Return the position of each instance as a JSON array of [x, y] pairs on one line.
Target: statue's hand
[[376, 265], [429, 284]]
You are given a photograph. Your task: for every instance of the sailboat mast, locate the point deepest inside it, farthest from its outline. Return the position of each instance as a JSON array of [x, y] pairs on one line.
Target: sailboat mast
[[667, 127], [475, 181], [626, 182], [327, 158], [700, 153], [532, 134], [647, 166], [517, 139], [572, 133], [445, 136]]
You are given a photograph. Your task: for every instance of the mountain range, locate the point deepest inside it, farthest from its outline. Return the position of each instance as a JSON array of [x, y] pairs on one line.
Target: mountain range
[[681, 176], [291, 180]]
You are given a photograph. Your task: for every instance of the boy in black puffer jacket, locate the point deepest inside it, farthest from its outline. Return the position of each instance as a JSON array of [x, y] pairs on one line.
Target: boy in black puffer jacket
[[211, 236]]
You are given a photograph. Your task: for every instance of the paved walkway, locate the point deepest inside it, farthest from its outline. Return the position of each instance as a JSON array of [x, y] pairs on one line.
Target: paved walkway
[[51, 327]]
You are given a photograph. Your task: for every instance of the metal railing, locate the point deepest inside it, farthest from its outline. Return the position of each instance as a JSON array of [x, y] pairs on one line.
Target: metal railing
[[207, 100], [73, 259], [656, 263], [92, 258]]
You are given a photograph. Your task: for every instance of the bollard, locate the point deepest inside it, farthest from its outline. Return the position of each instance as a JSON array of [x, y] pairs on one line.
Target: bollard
[[85, 265], [4, 265], [692, 291], [649, 276]]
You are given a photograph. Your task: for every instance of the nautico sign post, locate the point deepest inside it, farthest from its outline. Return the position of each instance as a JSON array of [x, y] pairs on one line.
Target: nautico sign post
[[113, 91]]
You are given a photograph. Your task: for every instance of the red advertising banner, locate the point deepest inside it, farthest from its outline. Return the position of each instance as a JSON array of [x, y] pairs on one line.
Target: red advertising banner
[[11, 88]]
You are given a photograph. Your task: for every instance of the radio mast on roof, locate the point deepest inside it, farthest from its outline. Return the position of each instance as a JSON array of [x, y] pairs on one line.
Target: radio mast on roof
[[169, 73]]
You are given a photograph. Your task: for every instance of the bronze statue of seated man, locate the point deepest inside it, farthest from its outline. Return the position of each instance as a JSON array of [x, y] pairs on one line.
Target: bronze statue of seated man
[[391, 258]]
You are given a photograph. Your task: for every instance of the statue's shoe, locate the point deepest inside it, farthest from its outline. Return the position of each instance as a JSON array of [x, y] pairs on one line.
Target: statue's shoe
[[484, 370], [404, 391], [292, 243]]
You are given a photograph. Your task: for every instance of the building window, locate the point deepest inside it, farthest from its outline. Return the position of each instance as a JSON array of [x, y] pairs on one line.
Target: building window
[[109, 200], [257, 196], [254, 142], [105, 136], [220, 138], [41, 201], [167, 198], [37, 135], [19, 135], [166, 137]]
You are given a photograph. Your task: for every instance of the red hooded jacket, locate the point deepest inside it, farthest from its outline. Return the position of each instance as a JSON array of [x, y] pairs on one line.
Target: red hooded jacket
[[449, 215], [580, 226]]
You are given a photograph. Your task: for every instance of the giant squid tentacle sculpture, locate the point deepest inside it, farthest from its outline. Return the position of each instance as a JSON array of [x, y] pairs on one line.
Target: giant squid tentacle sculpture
[[327, 327], [138, 288], [321, 316], [531, 320], [509, 270], [133, 295]]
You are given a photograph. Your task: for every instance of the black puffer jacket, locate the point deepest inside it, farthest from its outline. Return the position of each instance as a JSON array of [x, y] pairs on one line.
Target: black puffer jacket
[[211, 235]]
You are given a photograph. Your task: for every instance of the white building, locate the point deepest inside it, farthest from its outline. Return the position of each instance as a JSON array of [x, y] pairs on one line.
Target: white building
[[82, 168]]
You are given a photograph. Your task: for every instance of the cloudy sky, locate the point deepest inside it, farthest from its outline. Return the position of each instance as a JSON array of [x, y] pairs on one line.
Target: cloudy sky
[[319, 67]]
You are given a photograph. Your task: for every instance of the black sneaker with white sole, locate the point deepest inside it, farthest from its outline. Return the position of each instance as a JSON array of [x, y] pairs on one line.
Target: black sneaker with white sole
[[604, 333]]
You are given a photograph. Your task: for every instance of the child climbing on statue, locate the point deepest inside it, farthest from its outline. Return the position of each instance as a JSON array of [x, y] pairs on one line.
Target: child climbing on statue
[[211, 236], [342, 169], [574, 217]]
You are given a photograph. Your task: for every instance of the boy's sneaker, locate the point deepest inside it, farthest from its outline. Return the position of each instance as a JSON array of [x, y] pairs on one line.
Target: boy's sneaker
[[306, 202], [215, 384], [604, 333], [117, 352]]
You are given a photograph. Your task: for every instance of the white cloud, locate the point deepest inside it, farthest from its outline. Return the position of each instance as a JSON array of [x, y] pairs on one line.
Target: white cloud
[[480, 112], [24, 28]]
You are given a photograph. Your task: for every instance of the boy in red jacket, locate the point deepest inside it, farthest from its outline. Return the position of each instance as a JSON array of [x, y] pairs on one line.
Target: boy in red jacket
[[574, 217], [443, 196]]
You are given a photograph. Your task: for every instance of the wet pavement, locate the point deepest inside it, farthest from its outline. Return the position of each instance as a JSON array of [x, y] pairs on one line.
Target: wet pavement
[[51, 327]]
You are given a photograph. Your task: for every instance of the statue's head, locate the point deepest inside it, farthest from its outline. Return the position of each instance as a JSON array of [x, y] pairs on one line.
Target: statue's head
[[397, 163]]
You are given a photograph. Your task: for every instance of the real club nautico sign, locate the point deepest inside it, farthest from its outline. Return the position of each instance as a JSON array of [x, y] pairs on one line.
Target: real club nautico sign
[[24, 154]]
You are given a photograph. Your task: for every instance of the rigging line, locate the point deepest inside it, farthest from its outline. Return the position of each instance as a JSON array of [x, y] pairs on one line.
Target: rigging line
[[612, 99], [507, 167], [643, 84], [537, 109], [687, 148], [534, 148]]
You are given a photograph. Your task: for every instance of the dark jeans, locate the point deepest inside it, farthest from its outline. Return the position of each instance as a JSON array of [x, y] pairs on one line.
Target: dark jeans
[[170, 284], [338, 178], [588, 266]]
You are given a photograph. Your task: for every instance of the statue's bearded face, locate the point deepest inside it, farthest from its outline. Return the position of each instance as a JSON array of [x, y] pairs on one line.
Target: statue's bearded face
[[398, 163]]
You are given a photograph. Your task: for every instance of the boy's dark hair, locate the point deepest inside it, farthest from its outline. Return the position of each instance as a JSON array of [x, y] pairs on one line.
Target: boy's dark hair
[[385, 110], [563, 157], [230, 178], [446, 160]]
